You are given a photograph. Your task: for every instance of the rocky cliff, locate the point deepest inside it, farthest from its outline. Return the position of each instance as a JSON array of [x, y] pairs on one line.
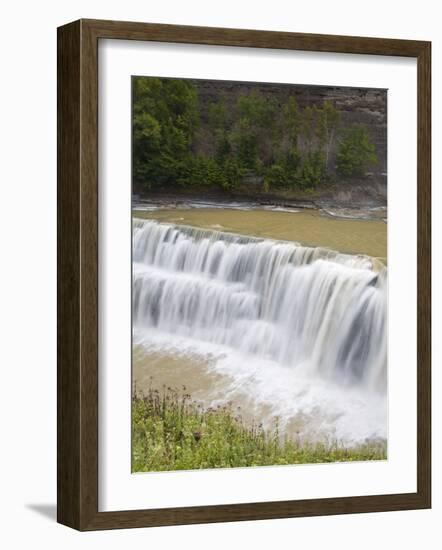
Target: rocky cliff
[[366, 106]]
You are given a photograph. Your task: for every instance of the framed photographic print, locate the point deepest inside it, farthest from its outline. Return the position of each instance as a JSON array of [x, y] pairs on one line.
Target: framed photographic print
[[243, 275]]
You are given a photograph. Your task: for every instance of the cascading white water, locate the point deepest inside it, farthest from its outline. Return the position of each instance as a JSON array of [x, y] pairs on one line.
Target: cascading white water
[[304, 308]]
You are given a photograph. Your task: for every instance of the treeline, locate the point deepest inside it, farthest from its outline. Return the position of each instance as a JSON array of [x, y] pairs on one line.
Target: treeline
[[276, 147]]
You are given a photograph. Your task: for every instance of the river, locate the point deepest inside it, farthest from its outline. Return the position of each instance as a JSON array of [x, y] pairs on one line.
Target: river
[[309, 227], [284, 314]]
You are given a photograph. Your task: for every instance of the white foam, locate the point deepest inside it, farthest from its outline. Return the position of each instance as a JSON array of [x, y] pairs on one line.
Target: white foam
[[299, 330]]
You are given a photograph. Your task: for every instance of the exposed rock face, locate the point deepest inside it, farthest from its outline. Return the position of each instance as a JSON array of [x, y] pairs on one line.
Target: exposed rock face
[[366, 106]]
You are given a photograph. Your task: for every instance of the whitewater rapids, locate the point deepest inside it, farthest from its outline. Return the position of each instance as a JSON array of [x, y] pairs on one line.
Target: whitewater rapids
[[300, 330]]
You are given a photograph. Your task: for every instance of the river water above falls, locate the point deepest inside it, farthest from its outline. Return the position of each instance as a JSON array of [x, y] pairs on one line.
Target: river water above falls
[[286, 330], [308, 226]]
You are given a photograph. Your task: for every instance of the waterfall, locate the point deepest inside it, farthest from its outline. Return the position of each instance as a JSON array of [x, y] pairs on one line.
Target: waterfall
[[305, 308]]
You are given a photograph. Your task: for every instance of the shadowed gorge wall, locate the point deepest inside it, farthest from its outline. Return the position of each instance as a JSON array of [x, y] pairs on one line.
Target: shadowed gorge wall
[[366, 106]]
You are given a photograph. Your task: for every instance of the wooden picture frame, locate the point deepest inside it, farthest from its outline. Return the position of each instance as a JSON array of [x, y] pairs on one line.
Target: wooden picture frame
[[77, 226]]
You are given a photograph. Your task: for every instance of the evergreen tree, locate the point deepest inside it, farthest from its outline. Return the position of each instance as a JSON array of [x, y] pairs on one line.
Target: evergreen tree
[[165, 117], [253, 135], [356, 152]]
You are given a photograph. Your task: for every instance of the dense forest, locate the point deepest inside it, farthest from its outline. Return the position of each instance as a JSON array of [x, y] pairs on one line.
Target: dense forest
[[257, 141]]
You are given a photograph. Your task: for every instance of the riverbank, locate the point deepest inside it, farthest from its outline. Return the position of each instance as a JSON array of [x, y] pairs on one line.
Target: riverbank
[[365, 195], [171, 431]]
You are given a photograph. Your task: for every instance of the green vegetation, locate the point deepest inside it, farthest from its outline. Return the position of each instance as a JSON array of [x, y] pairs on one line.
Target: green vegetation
[[170, 431], [165, 118], [355, 153], [251, 140]]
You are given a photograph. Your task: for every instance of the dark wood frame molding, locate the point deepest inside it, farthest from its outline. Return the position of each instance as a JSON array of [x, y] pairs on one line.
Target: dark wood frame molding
[[77, 224]]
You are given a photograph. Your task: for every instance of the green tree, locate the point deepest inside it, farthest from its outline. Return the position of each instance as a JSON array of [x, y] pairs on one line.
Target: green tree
[[255, 132], [328, 122], [165, 117], [312, 172], [292, 121], [233, 173], [307, 128], [356, 152], [219, 124], [245, 141], [276, 176], [317, 129], [292, 124]]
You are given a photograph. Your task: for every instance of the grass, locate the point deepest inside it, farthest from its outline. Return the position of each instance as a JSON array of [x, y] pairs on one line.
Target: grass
[[170, 431]]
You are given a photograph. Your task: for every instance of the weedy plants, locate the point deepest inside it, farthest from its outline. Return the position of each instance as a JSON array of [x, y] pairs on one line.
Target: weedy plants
[[171, 431]]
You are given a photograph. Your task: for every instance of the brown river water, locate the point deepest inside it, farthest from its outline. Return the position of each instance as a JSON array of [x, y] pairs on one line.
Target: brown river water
[[309, 227]]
